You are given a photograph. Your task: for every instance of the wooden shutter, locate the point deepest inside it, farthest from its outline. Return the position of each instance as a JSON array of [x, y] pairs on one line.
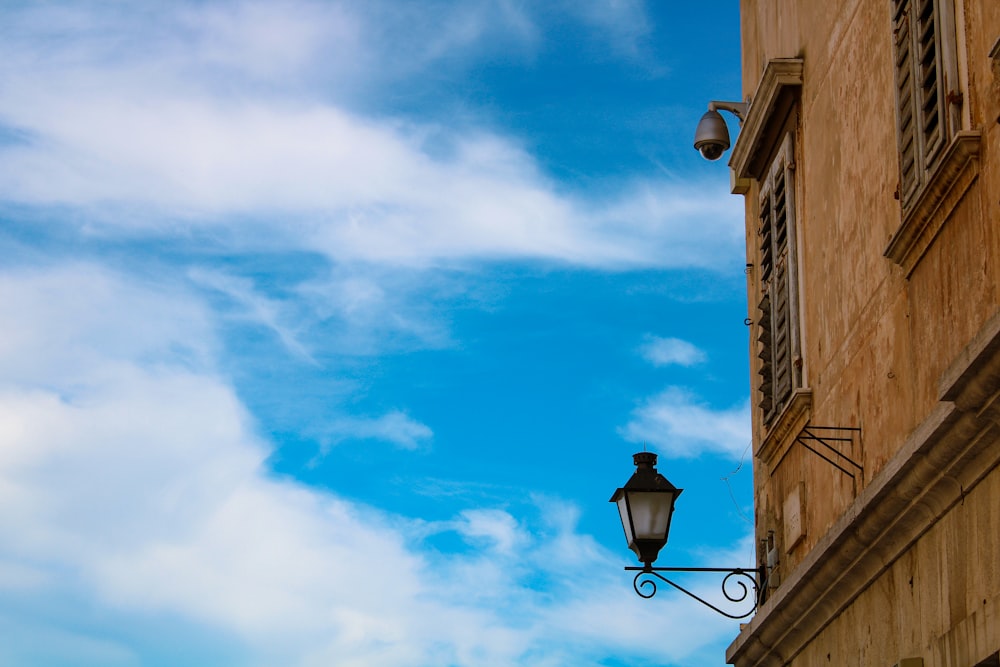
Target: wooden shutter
[[930, 81], [764, 353], [920, 91], [905, 100], [781, 303], [776, 341]]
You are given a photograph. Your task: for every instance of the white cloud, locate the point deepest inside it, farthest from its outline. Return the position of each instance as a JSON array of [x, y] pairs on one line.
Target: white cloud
[[623, 22], [374, 309], [99, 325], [133, 486], [343, 186], [394, 426], [160, 142], [262, 40], [681, 426], [132, 481], [255, 307], [665, 351], [497, 527]]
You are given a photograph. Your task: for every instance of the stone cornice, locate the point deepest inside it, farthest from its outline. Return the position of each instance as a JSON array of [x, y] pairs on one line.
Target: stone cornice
[[947, 455]]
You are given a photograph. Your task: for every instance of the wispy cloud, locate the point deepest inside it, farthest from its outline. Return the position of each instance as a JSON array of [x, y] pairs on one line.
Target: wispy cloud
[[681, 426], [496, 527], [134, 486], [623, 22], [161, 141], [665, 351], [344, 187], [371, 309], [141, 487], [253, 306], [395, 427], [78, 323]]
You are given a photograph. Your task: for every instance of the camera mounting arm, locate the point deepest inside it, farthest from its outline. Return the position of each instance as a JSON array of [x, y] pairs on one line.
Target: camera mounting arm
[[738, 109]]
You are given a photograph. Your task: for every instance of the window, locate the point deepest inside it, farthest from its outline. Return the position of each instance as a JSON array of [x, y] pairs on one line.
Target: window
[[925, 89], [777, 337], [938, 159]]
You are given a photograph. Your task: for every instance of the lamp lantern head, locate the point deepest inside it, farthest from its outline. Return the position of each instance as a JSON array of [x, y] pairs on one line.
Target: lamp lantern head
[[646, 505]]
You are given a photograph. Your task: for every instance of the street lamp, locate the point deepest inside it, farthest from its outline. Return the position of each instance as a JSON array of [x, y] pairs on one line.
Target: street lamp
[[646, 506]]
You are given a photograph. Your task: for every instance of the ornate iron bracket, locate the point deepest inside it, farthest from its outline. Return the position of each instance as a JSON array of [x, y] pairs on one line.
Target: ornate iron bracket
[[645, 585]]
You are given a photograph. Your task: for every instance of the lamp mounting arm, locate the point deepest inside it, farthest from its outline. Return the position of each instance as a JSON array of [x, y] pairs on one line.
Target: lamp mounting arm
[[738, 109], [645, 585]]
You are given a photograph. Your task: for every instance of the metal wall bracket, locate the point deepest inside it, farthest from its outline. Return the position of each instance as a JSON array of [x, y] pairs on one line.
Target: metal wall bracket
[[826, 441], [734, 585]]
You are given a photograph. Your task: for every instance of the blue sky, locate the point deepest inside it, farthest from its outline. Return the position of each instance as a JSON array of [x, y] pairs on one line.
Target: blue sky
[[329, 329]]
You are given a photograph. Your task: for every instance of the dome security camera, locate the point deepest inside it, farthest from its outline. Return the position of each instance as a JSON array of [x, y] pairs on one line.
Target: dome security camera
[[711, 138]]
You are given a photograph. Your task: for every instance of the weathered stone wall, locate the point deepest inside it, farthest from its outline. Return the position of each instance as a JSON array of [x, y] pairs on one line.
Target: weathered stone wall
[[878, 334], [914, 611]]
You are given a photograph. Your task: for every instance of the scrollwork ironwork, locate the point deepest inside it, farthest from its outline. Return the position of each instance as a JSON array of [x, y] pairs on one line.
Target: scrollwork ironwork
[[639, 584], [735, 590]]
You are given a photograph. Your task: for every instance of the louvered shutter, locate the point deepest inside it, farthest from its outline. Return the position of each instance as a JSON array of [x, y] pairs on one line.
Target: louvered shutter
[[765, 331], [930, 81], [905, 101], [764, 353], [776, 341], [920, 91], [780, 287]]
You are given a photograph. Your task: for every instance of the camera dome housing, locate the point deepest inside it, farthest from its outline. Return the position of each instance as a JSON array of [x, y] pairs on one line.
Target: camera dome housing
[[711, 138]]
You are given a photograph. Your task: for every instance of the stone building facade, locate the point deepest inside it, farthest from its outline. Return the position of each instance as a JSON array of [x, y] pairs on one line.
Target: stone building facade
[[869, 160]]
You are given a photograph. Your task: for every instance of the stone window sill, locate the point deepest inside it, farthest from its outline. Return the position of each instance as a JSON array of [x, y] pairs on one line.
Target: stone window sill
[[934, 205], [785, 427]]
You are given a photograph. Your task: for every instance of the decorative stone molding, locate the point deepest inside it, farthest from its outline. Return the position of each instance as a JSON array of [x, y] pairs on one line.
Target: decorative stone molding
[[971, 382], [785, 427], [958, 170], [765, 118], [955, 447]]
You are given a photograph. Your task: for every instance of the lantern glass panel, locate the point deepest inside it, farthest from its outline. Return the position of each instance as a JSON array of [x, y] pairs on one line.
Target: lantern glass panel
[[623, 515], [651, 512]]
